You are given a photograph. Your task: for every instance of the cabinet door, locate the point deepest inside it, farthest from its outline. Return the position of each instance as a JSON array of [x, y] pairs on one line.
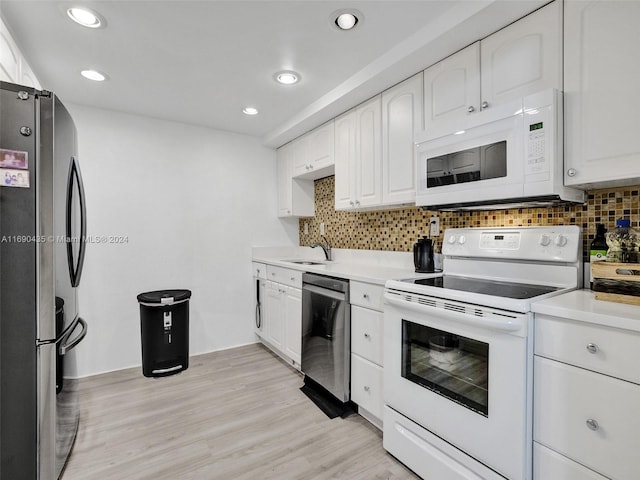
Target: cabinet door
[[588, 417], [275, 315], [300, 157], [293, 327], [602, 98], [283, 159], [369, 153], [548, 465], [452, 89], [367, 333], [401, 117], [367, 385], [345, 160], [523, 58], [320, 147]]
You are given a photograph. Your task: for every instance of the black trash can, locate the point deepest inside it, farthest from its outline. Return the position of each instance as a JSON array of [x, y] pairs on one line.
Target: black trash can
[[164, 329]]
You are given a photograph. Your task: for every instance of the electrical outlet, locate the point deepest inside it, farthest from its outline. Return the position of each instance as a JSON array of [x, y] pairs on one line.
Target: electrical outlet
[[322, 228], [434, 226], [306, 228]]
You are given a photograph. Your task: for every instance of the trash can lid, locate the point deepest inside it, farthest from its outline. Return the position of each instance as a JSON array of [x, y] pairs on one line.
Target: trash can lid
[[158, 295], [59, 304]]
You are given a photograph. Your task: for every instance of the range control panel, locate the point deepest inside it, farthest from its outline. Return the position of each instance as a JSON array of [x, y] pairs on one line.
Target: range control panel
[[557, 244]]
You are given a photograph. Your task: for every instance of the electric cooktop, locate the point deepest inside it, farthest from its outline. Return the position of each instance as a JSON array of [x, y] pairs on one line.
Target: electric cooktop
[[486, 287]]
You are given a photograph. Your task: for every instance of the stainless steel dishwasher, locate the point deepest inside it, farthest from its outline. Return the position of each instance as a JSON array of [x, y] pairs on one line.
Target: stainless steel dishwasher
[[326, 333]]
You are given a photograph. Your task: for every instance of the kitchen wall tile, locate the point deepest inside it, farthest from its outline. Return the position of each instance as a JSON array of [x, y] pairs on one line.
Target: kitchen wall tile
[[398, 229]]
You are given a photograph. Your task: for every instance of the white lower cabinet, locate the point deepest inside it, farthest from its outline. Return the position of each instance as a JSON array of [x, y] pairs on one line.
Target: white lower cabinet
[[366, 385], [550, 465], [293, 324], [586, 401], [366, 350], [282, 314]]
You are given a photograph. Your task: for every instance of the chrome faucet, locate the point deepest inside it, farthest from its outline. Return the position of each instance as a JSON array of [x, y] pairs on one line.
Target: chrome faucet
[[326, 248]]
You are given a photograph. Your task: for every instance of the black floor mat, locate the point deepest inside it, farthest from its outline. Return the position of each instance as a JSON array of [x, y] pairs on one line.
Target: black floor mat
[[330, 405]]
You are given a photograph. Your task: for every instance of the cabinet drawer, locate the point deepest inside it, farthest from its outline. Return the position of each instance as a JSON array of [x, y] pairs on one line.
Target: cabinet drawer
[[366, 333], [366, 385], [366, 295], [548, 465], [259, 270], [602, 349], [567, 399], [293, 278]]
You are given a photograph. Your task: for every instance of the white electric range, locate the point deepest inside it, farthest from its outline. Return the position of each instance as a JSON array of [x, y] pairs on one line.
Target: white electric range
[[459, 351]]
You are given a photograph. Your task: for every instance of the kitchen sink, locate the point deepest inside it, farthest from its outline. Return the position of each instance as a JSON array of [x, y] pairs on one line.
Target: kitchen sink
[[304, 262]]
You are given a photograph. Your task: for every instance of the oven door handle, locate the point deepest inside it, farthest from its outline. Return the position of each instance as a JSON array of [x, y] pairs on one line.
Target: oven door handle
[[505, 324]]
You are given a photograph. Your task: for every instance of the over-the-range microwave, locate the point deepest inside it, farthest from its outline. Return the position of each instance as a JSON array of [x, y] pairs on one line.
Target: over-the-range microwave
[[508, 156]]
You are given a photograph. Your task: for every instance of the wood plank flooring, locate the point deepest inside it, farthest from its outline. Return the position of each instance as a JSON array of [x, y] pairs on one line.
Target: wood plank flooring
[[233, 415]]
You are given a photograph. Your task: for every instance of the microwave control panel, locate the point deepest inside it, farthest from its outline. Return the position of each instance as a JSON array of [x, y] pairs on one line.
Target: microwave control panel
[[537, 127]]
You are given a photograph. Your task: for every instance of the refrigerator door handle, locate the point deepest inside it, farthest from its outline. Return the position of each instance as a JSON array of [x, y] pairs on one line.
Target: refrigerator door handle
[[67, 344], [75, 265]]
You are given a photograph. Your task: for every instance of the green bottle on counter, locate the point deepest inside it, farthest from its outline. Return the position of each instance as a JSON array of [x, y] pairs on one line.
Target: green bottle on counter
[[599, 247]]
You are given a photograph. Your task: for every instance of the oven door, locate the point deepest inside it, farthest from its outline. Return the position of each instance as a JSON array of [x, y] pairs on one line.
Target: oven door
[[462, 372]]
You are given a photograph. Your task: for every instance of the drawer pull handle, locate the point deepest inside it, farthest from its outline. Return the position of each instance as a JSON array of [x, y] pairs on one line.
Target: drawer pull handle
[[592, 424], [365, 295], [366, 388], [592, 348], [293, 278], [366, 335]]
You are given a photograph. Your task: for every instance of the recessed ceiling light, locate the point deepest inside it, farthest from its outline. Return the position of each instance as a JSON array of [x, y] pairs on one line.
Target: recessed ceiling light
[[250, 111], [93, 75], [345, 19], [85, 17], [287, 77]]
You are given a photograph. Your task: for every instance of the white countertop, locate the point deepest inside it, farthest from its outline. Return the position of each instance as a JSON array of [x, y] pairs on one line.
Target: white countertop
[[370, 266], [581, 306]]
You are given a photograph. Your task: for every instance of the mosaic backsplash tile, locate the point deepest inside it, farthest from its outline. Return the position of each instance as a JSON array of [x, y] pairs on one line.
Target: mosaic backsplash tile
[[398, 229]]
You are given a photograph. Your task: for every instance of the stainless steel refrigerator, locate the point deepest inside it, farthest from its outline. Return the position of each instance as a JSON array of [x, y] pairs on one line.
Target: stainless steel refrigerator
[[42, 249]]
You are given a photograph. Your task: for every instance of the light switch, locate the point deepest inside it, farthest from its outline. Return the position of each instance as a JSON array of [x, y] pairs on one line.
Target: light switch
[[322, 228]]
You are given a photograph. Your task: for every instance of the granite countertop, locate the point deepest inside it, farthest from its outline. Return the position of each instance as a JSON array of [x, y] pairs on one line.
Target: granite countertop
[[582, 306]]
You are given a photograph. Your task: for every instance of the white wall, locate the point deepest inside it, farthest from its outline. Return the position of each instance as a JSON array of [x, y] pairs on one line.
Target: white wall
[[191, 202]]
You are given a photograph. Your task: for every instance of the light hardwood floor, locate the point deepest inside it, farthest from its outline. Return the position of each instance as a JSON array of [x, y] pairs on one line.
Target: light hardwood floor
[[235, 414]]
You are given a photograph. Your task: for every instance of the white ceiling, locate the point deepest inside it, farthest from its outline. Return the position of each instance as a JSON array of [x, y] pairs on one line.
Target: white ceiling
[[201, 62]]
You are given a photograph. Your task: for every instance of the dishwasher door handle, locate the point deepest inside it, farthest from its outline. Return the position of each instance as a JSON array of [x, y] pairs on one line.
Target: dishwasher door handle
[[325, 292]]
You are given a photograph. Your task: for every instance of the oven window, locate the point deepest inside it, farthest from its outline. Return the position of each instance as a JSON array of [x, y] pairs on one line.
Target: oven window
[[451, 365], [472, 165]]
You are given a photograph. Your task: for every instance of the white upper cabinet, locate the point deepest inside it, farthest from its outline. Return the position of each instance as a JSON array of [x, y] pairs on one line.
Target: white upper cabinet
[[401, 118], [358, 157], [452, 88], [13, 66], [295, 197], [9, 57], [313, 153], [602, 94], [522, 58], [345, 154]]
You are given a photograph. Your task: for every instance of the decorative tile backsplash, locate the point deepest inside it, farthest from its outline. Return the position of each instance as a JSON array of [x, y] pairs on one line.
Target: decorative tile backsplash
[[398, 229]]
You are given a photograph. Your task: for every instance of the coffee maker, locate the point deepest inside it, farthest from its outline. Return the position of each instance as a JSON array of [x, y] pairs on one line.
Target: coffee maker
[[423, 255]]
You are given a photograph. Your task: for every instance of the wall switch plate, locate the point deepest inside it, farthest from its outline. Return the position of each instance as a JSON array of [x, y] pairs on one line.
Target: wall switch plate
[[306, 228], [434, 226], [322, 228]]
